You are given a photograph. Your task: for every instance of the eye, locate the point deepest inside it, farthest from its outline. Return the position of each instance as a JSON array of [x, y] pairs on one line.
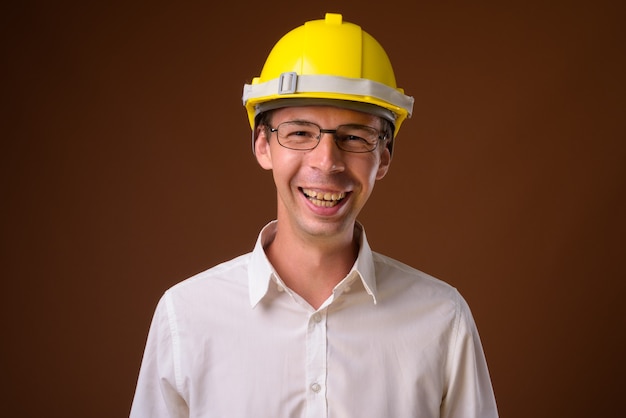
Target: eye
[[357, 133], [352, 138], [300, 133], [298, 130]]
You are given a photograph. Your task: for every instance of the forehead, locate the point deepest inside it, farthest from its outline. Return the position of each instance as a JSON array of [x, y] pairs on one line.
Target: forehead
[[325, 116]]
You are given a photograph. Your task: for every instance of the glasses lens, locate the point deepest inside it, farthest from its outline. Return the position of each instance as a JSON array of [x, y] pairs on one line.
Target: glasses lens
[[298, 135], [357, 138]]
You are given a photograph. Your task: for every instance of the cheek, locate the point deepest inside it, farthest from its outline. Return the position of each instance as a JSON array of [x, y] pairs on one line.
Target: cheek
[[284, 167], [373, 167]]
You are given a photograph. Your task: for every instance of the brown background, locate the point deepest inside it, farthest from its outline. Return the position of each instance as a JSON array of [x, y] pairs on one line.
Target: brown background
[[126, 168]]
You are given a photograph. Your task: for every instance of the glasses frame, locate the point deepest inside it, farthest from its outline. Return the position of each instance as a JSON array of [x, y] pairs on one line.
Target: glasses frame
[[379, 135]]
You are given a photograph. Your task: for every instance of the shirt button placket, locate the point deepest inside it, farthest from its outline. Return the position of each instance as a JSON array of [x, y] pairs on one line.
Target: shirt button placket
[[316, 365]]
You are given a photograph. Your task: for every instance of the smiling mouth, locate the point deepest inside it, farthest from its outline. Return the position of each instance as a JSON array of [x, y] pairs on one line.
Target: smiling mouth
[[323, 199]]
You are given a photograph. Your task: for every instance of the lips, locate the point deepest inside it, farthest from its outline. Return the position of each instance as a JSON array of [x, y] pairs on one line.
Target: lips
[[324, 199]]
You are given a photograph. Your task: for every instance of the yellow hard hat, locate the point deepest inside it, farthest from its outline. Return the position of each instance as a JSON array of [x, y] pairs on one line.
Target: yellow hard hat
[[328, 61]]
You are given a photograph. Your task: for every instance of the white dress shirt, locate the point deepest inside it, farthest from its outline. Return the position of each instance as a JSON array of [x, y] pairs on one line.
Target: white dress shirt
[[390, 342]]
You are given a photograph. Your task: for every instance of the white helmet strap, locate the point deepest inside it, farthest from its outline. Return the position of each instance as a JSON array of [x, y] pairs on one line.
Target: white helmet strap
[[291, 83]]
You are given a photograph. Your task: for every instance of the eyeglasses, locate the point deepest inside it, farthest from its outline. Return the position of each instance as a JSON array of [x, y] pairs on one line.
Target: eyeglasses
[[302, 135]]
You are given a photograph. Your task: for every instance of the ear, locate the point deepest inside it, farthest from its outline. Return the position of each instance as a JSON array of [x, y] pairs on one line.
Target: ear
[[262, 150], [383, 165]]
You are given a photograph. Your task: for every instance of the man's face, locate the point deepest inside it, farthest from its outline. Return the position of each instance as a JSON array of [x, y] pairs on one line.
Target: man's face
[[321, 191]]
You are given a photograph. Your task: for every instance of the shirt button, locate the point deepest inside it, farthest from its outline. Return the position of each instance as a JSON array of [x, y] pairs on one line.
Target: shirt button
[[315, 387], [317, 317]]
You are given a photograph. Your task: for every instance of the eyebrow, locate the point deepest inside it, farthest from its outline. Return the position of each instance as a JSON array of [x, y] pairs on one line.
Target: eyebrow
[[342, 124]]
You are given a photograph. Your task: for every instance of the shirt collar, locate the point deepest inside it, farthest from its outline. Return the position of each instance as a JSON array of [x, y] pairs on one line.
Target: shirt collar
[[261, 271], [364, 264]]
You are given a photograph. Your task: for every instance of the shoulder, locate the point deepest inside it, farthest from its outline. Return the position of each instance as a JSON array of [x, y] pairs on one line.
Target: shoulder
[[400, 281], [229, 274], [222, 288], [390, 269]]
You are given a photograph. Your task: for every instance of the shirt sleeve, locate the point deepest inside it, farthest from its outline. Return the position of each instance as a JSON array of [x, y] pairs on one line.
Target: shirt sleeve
[[157, 393], [469, 391]]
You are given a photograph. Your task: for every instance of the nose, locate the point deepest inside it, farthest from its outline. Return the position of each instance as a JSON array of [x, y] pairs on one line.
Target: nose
[[327, 156]]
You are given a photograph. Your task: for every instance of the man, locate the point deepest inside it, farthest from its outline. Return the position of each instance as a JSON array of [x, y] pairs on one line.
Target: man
[[312, 323]]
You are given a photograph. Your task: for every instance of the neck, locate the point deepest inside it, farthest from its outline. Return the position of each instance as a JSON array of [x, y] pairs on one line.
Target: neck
[[312, 267]]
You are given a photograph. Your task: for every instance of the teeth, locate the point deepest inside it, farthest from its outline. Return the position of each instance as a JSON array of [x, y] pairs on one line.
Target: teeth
[[323, 196], [324, 199]]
